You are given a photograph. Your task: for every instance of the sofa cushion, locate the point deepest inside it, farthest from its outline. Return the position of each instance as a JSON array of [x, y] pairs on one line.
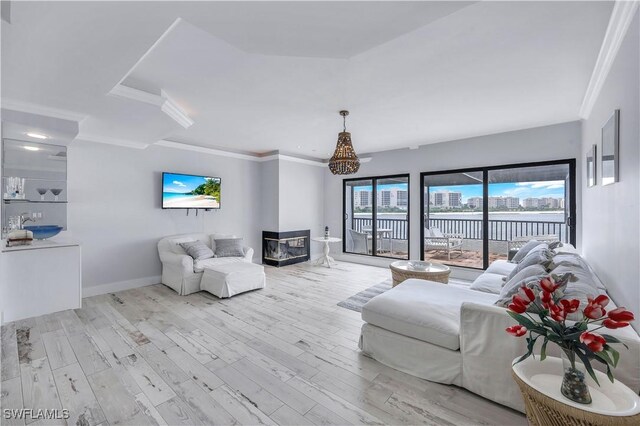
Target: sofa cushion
[[423, 310], [200, 265], [488, 283], [501, 267], [524, 250]]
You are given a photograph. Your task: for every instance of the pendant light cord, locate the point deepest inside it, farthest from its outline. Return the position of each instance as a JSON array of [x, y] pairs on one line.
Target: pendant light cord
[[344, 123]]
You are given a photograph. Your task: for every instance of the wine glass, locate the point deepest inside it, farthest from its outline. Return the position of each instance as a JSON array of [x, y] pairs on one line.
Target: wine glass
[[56, 192], [42, 191]]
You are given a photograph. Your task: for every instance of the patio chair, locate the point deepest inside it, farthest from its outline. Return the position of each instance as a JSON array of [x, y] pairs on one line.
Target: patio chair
[[359, 241], [434, 239]]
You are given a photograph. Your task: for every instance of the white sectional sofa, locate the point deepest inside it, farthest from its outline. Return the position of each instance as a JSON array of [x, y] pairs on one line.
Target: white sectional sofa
[[454, 334], [180, 272]]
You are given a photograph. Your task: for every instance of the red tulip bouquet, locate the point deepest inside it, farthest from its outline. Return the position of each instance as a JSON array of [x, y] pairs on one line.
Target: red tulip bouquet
[[580, 345]]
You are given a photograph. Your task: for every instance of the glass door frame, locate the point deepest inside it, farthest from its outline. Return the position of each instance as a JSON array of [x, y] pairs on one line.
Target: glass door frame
[[374, 213], [570, 217]]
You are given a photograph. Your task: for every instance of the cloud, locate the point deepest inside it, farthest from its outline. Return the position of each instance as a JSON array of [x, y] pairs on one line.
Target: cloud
[[548, 184], [178, 183]]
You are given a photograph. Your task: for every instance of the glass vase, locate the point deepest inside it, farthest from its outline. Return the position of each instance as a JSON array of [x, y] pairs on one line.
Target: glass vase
[[574, 381]]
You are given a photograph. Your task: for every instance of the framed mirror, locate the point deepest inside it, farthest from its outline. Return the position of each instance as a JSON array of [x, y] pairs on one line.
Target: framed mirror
[[610, 145], [591, 166]]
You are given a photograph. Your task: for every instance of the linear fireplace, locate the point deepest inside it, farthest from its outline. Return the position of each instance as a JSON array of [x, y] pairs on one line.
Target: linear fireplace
[[285, 248]]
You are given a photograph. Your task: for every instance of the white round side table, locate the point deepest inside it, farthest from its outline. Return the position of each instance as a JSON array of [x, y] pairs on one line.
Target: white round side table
[[325, 259], [539, 382]]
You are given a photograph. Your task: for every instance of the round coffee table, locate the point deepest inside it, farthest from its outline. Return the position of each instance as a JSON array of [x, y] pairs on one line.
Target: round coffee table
[[404, 269], [539, 382]]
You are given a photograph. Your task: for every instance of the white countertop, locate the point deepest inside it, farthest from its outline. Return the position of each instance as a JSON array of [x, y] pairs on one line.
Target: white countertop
[[55, 242]]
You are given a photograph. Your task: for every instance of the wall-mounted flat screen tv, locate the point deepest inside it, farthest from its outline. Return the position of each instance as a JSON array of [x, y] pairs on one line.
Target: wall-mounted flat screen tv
[[180, 191]]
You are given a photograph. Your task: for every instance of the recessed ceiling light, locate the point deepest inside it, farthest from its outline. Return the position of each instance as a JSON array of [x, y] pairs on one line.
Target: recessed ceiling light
[[31, 148], [299, 146], [37, 135]]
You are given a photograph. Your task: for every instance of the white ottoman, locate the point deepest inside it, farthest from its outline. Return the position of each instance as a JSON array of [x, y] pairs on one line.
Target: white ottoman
[[233, 278]]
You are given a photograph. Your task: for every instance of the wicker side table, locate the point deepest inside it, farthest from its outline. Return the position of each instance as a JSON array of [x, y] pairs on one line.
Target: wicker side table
[[613, 403], [404, 269]]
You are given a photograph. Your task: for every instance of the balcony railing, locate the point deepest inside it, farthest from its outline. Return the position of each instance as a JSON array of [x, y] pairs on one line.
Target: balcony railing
[[499, 230]]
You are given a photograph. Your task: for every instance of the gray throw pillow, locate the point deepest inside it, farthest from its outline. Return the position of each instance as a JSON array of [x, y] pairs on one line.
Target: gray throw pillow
[[581, 285], [534, 284], [197, 249], [524, 250], [229, 247], [554, 245], [539, 255], [511, 286]]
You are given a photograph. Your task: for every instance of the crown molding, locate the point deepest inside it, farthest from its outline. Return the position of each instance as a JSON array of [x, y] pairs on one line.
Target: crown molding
[[621, 17], [173, 110], [126, 92], [163, 101], [111, 141], [211, 151], [30, 108]]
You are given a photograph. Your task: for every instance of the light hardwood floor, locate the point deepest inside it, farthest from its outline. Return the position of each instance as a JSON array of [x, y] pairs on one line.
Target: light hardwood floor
[[283, 355]]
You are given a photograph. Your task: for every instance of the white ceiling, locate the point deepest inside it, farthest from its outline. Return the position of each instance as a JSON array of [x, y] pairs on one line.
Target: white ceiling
[[264, 76]]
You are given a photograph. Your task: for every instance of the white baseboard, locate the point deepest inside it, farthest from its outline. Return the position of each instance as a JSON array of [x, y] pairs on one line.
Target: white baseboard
[[119, 286]]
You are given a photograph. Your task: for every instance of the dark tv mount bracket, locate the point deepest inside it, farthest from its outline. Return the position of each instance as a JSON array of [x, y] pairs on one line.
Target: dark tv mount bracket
[[206, 210]]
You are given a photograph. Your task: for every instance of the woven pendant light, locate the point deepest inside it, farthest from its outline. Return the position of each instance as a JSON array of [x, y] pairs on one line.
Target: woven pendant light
[[344, 160]]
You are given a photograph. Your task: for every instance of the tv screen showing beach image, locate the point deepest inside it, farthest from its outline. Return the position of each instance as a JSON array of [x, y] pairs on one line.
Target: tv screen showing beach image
[[190, 192]]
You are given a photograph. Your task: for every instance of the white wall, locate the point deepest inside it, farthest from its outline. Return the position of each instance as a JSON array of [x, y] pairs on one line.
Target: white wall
[[293, 198], [560, 141], [301, 197], [270, 195], [115, 207], [611, 214]]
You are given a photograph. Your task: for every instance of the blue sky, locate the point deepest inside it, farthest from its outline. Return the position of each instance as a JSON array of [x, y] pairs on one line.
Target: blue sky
[[521, 189], [181, 183]]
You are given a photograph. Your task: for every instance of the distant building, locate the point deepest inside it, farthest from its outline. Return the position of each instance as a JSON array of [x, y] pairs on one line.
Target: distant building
[[543, 203], [362, 199], [402, 198], [384, 198], [446, 199], [475, 202], [504, 202]]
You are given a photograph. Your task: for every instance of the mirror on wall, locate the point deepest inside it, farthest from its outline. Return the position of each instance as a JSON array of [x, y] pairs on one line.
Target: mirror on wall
[[34, 181]]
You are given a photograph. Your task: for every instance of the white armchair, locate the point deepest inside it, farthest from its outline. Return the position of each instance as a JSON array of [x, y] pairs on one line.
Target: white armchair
[[434, 239], [180, 272]]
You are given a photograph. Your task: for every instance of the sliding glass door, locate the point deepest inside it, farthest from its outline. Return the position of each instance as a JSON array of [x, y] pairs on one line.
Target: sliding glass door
[[376, 216], [452, 217], [475, 216]]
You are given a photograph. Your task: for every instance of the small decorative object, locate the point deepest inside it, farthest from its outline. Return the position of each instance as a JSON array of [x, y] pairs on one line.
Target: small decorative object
[[326, 232], [14, 188], [579, 344], [42, 191], [591, 166], [344, 160], [56, 192], [610, 144], [19, 237]]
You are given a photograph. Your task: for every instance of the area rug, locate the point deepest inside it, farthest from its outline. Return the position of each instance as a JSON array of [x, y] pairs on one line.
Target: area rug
[[356, 301]]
